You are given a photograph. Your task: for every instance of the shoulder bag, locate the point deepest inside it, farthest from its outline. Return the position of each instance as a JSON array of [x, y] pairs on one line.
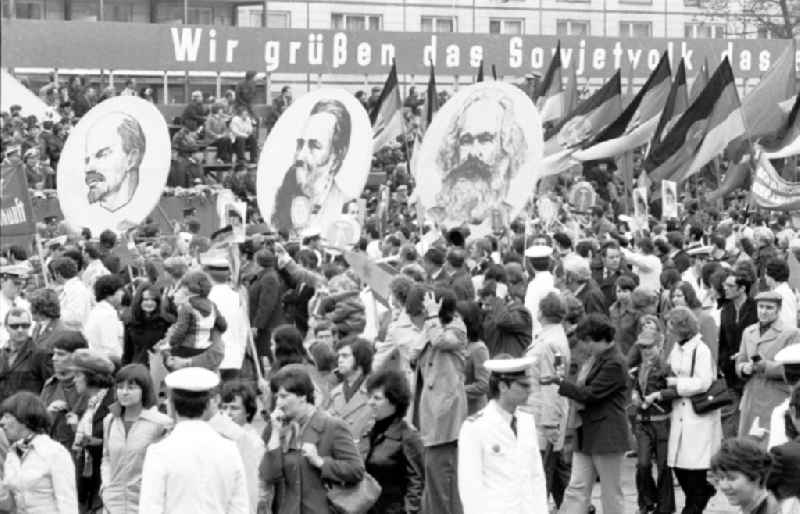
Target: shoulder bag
[[354, 499], [717, 396]]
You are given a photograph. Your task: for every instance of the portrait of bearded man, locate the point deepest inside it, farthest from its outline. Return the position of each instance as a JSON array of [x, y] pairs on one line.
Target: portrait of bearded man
[[483, 150], [309, 189]]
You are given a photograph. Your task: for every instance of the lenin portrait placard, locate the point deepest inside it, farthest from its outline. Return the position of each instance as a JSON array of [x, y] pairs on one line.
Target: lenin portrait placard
[[114, 165]]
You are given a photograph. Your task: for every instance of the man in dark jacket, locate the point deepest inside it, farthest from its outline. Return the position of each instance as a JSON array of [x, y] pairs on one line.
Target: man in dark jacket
[[459, 279], [507, 326], [306, 448], [613, 268], [265, 302], [738, 312], [578, 279], [58, 393], [23, 367], [601, 390], [676, 257]]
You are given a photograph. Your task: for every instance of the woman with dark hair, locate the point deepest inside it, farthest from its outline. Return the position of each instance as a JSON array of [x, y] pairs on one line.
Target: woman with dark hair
[[132, 425], [395, 449], [349, 398], [476, 380], [739, 469], [38, 474], [440, 399], [684, 295], [287, 347], [195, 338], [145, 326], [93, 380], [46, 311]]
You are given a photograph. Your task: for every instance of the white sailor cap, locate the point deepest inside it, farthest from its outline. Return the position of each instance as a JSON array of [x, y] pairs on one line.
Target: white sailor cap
[[192, 379], [538, 252], [15, 270], [509, 366], [215, 262], [700, 250], [794, 244], [789, 355]]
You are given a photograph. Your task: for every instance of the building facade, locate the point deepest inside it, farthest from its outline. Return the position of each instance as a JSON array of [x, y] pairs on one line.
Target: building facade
[[676, 19], [614, 18]]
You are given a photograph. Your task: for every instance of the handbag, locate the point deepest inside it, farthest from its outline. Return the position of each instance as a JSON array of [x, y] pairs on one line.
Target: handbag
[[354, 499], [717, 396]]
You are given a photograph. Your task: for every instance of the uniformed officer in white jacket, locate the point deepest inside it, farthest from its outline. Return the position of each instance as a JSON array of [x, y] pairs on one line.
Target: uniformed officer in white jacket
[[193, 470], [499, 465]]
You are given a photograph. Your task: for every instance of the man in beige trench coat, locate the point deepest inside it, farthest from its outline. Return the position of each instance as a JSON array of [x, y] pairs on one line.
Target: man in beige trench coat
[[765, 387]]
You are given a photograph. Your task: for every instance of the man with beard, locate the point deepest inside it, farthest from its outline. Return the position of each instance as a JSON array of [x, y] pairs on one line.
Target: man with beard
[[309, 191], [481, 153], [115, 147]]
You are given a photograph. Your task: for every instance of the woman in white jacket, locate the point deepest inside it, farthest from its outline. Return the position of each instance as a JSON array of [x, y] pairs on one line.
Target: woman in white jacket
[[38, 475], [693, 438], [132, 425]]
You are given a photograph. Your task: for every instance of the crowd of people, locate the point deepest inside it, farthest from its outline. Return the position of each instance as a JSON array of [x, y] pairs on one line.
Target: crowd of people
[[504, 373]]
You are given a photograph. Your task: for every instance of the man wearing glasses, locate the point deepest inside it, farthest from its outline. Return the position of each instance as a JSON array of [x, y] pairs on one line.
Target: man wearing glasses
[[13, 280], [23, 367]]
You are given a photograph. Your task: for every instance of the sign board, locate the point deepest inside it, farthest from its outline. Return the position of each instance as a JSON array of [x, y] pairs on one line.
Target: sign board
[[95, 45], [582, 196], [315, 159], [669, 199], [114, 165], [480, 158], [16, 213], [771, 191]]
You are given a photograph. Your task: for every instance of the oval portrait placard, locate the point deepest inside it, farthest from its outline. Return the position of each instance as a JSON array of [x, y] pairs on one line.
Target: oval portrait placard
[[480, 157], [582, 196], [114, 165], [316, 158]]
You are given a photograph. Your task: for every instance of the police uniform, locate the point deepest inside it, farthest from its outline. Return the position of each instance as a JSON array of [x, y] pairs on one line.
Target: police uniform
[[13, 272], [500, 472], [789, 357], [193, 470]]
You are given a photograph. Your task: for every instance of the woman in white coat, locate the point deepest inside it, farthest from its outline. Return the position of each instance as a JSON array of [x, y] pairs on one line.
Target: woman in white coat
[[132, 425], [38, 475], [693, 438]]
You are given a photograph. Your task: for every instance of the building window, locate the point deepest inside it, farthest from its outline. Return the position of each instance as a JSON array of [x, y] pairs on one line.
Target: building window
[[635, 29], [85, 10], [438, 24], [512, 27], [572, 28], [199, 15], [118, 11], [764, 33], [692, 3], [355, 21], [169, 13], [705, 30], [24, 9], [279, 20], [250, 15]]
